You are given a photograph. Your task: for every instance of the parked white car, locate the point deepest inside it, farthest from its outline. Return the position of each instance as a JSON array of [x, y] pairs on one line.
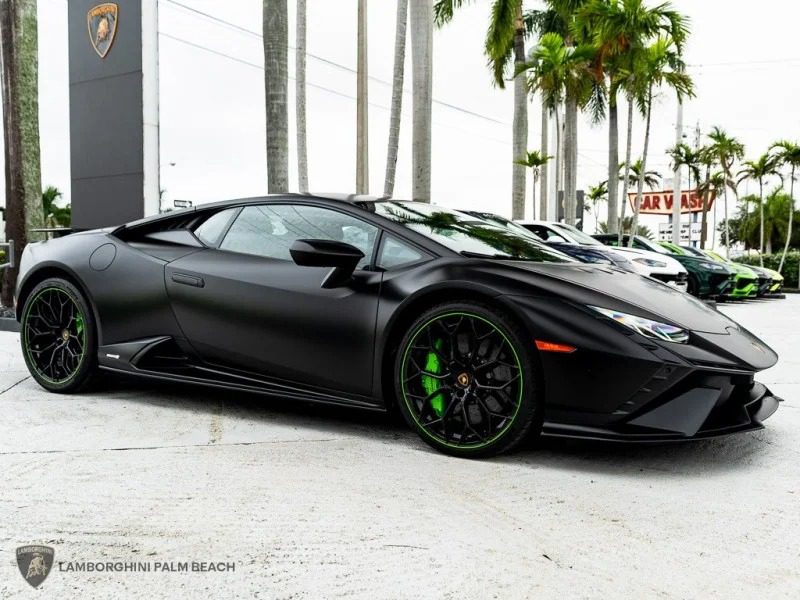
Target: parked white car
[[652, 264]]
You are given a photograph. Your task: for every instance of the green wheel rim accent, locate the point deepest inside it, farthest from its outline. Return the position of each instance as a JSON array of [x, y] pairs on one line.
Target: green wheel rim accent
[[54, 335], [461, 380], [431, 384]]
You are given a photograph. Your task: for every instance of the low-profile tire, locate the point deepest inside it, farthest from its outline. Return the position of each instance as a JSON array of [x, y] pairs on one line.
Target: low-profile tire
[[692, 287], [59, 336], [467, 380]]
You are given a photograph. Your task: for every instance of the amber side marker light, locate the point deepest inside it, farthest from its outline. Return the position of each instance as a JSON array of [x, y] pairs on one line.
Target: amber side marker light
[[553, 347]]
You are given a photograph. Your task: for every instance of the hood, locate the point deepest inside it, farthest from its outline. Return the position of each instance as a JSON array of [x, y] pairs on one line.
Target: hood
[[699, 262], [628, 292], [664, 258]]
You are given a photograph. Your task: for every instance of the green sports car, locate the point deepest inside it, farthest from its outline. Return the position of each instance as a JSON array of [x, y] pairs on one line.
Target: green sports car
[[745, 282], [769, 280]]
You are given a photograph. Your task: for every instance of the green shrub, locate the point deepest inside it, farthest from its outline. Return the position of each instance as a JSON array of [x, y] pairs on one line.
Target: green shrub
[[771, 261]]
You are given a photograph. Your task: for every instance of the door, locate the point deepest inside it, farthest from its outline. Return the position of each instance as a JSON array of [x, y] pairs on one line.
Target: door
[[246, 304]]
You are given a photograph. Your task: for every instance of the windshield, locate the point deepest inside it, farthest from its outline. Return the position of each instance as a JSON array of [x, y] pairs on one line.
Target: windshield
[[693, 251], [578, 235], [506, 224], [465, 234], [649, 245]]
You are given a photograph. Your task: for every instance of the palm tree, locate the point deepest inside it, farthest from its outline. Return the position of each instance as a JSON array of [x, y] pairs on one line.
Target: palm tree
[[776, 203], [362, 104], [684, 155], [559, 72], [620, 29], [727, 150], [787, 154], [421, 21], [708, 159], [54, 215], [761, 169], [714, 185], [596, 195], [300, 96], [661, 64], [276, 77], [397, 96], [625, 226], [534, 161], [504, 45], [652, 179], [23, 183]]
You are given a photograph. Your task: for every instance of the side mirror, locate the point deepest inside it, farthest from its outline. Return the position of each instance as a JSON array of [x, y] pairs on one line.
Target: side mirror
[[343, 258]]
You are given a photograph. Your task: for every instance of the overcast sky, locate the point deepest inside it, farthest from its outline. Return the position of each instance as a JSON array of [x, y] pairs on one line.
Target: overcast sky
[[743, 55]]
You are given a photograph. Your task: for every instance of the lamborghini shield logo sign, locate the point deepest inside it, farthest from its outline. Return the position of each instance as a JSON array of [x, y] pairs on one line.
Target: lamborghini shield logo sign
[[102, 23], [34, 563]]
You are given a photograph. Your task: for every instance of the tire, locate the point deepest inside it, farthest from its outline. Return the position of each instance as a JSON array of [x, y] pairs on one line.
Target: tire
[[59, 337], [692, 286], [468, 381]]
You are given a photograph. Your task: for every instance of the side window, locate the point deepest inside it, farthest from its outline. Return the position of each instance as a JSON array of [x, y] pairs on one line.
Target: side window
[[395, 253], [269, 230], [213, 227]]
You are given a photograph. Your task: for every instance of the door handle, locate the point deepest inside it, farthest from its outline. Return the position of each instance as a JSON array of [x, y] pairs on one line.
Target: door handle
[[191, 280]]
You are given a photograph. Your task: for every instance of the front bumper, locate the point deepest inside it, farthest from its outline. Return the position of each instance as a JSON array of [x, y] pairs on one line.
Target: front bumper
[[698, 413], [744, 287], [677, 280], [764, 284]]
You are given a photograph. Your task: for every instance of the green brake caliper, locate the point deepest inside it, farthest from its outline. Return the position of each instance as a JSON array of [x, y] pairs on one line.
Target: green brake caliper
[[431, 384], [79, 325]]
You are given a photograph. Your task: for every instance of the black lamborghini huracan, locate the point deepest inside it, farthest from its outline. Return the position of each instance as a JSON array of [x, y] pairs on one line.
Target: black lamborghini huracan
[[479, 336]]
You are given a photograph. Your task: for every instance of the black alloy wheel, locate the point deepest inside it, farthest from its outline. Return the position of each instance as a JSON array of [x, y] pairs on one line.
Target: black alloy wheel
[[466, 382]]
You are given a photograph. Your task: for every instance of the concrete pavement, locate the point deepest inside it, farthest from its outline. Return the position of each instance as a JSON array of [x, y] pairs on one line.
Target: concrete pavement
[[313, 502]]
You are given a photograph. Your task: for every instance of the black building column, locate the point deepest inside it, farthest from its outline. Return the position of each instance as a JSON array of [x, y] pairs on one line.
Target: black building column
[[113, 96]]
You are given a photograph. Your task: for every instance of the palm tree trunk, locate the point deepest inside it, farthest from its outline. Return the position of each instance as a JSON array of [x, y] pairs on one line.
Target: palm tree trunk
[[276, 76], [421, 21], [397, 96], [300, 96], [545, 178], [613, 164], [628, 150], [727, 225], [533, 194], [791, 219], [714, 225], [20, 90], [362, 108], [761, 225], [704, 215], [519, 141], [559, 160], [640, 186], [570, 159]]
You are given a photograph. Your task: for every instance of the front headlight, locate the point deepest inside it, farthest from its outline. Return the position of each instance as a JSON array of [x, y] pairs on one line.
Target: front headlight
[[646, 327], [649, 262]]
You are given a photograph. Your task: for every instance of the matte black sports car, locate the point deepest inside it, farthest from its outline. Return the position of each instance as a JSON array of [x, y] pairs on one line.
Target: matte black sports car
[[480, 337]]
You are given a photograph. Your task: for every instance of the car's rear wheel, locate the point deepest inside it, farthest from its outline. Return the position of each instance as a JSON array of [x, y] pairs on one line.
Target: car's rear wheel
[[58, 335], [467, 380]]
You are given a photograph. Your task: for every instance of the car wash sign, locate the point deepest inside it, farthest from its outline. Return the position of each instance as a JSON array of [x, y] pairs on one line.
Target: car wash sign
[[660, 203]]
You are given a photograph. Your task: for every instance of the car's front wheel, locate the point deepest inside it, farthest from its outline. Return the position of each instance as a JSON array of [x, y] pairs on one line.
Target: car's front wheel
[[467, 380], [58, 336]]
